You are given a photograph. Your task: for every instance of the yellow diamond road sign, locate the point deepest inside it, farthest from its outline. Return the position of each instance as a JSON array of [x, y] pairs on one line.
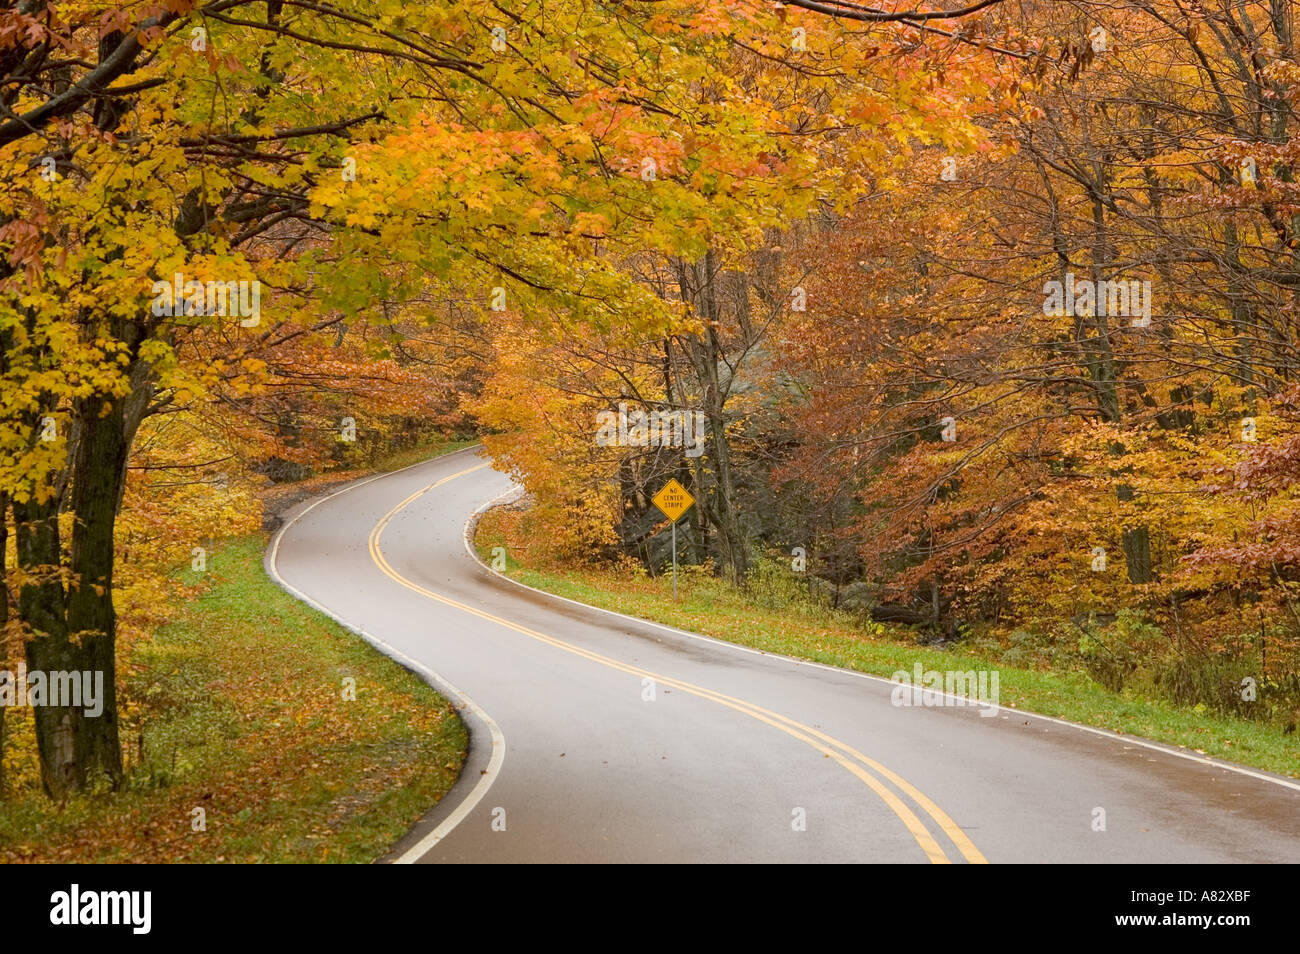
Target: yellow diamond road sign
[[673, 500]]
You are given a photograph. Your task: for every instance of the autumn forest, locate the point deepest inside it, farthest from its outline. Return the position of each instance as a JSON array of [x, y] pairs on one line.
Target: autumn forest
[[978, 323]]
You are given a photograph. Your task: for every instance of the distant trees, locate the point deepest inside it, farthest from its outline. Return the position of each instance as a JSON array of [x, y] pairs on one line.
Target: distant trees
[[1093, 450], [947, 425]]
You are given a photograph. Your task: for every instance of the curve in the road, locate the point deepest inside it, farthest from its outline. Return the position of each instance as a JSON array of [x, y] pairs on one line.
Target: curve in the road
[[595, 774], [467, 705], [832, 748]]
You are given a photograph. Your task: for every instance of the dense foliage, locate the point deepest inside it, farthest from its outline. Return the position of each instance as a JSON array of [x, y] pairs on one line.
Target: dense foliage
[[245, 240]]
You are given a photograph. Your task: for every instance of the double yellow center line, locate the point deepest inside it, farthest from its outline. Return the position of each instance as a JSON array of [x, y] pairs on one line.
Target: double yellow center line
[[847, 756]]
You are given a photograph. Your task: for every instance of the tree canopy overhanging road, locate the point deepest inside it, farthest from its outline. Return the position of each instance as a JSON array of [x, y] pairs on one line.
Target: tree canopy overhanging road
[[968, 329]]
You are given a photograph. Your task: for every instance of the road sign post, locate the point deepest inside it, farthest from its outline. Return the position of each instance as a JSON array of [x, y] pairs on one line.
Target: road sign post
[[673, 501]]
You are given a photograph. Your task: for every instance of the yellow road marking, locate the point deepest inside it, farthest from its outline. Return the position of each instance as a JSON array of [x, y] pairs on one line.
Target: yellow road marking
[[828, 746]]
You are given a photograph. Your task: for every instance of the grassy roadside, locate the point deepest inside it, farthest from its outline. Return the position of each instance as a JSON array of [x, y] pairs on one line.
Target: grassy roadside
[[243, 699], [801, 629], [417, 455]]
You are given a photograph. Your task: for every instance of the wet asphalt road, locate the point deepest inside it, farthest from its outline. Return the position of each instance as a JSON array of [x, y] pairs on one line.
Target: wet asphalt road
[[600, 738]]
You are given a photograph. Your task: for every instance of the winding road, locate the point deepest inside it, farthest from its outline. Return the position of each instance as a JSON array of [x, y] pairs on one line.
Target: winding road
[[599, 738]]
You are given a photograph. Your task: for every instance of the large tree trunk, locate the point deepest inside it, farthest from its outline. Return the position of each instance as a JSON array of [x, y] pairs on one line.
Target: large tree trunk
[[76, 632], [43, 607], [75, 629], [98, 474]]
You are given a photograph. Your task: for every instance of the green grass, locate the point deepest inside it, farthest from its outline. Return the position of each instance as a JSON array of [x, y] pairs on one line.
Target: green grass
[[785, 624], [416, 455], [239, 704]]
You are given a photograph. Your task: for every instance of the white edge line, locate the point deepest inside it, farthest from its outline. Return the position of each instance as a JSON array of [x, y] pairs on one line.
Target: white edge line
[[489, 775], [1105, 733]]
